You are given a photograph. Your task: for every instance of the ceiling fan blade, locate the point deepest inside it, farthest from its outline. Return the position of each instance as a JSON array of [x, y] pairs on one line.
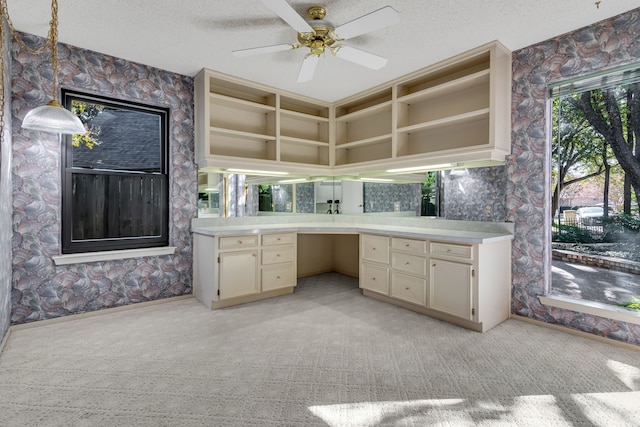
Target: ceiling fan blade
[[263, 49], [360, 57], [308, 68], [288, 15], [373, 21]]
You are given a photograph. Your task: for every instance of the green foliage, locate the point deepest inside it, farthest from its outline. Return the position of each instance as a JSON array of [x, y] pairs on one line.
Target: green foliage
[[86, 113], [574, 234], [633, 304]]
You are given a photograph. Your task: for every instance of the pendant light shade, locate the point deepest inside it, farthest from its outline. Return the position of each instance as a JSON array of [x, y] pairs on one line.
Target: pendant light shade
[[53, 118]]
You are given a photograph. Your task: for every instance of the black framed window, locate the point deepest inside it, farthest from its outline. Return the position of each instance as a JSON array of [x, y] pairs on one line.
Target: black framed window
[[115, 177]]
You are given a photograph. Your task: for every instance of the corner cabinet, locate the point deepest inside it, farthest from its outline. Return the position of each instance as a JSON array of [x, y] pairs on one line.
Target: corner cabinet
[[231, 270], [456, 112], [241, 124], [465, 284]]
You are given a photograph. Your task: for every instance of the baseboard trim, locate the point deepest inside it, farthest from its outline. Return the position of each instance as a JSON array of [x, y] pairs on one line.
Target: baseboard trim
[[72, 317], [576, 332]]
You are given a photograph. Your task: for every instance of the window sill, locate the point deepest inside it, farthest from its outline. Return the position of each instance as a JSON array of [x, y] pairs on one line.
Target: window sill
[[111, 255], [594, 308]]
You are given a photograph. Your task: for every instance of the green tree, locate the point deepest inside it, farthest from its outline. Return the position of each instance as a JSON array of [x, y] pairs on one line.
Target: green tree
[[576, 148], [86, 113], [615, 114]]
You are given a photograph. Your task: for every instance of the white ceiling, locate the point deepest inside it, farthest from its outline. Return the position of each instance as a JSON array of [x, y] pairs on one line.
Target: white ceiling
[[185, 36]]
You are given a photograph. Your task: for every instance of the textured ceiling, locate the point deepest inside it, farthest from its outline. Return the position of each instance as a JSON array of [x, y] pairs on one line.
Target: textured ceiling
[[185, 36]]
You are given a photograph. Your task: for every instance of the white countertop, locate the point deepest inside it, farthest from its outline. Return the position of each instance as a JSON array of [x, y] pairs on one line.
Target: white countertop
[[433, 229]]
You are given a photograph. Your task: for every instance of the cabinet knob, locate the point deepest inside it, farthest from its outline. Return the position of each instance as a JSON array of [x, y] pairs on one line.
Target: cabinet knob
[[277, 255], [277, 277], [406, 245], [407, 263], [448, 250], [278, 239], [433, 265], [406, 289], [373, 249], [373, 278], [239, 242]]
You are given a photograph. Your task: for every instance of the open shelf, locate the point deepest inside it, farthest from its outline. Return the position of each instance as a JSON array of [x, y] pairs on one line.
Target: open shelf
[[376, 122], [304, 153], [457, 135], [242, 144], [298, 125], [363, 103], [378, 150]]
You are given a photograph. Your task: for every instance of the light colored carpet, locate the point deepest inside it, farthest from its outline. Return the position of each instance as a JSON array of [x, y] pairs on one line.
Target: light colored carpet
[[324, 355]]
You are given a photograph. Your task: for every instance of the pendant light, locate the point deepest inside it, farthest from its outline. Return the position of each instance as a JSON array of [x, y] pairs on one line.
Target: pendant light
[[52, 118]]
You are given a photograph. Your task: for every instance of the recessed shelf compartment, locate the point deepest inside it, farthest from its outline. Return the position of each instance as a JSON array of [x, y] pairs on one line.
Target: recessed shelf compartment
[[376, 122], [365, 102], [464, 67], [242, 144], [312, 154], [242, 116], [375, 150], [434, 105], [301, 126], [238, 91], [456, 136]]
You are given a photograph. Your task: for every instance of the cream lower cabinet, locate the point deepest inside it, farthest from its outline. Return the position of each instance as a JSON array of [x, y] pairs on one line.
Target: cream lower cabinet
[[465, 284], [374, 263], [231, 270]]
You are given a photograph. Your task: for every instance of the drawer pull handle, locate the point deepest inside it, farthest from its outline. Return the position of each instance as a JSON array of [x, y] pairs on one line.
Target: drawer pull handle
[[239, 242], [373, 249], [277, 255], [433, 265], [278, 239], [407, 245], [373, 278], [406, 289], [407, 263], [277, 277]]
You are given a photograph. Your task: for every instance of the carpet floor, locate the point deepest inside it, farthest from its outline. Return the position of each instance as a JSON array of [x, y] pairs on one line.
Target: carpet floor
[[324, 355]]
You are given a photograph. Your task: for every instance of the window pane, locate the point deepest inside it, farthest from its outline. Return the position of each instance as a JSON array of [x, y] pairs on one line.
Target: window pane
[[122, 139], [115, 176], [595, 187]]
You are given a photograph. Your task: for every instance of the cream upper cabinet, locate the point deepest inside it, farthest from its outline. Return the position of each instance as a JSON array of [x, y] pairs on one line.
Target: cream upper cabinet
[[242, 124], [457, 111]]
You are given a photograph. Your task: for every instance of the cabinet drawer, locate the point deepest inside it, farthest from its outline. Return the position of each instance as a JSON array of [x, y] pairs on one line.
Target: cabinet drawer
[[374, 278], [278, 239], [409, 288], [238, 242], [409, 245], [409, 263], [374, 248], [282, 276], [277, 254], [452, 250]]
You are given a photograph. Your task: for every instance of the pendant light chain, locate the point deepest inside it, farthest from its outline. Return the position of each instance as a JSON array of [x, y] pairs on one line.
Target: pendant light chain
[[53, 25]]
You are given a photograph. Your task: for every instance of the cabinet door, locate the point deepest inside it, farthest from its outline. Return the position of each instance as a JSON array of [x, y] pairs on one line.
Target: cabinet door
[[450, 287], [238, 273]]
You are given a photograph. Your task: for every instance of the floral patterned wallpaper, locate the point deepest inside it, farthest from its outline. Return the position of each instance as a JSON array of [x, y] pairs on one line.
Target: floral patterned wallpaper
[[384, 197], [42, 290], [600, 46], [474, 194], [5, 193]]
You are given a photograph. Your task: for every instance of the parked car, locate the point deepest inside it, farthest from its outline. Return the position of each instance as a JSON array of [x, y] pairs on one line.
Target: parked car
[[589, 215]]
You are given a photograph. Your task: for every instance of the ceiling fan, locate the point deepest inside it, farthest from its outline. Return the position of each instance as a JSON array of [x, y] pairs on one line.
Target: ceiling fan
[[319, 35]]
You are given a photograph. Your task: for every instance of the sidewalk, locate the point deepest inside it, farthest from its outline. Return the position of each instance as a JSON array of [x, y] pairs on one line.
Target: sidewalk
[[591, 283]]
